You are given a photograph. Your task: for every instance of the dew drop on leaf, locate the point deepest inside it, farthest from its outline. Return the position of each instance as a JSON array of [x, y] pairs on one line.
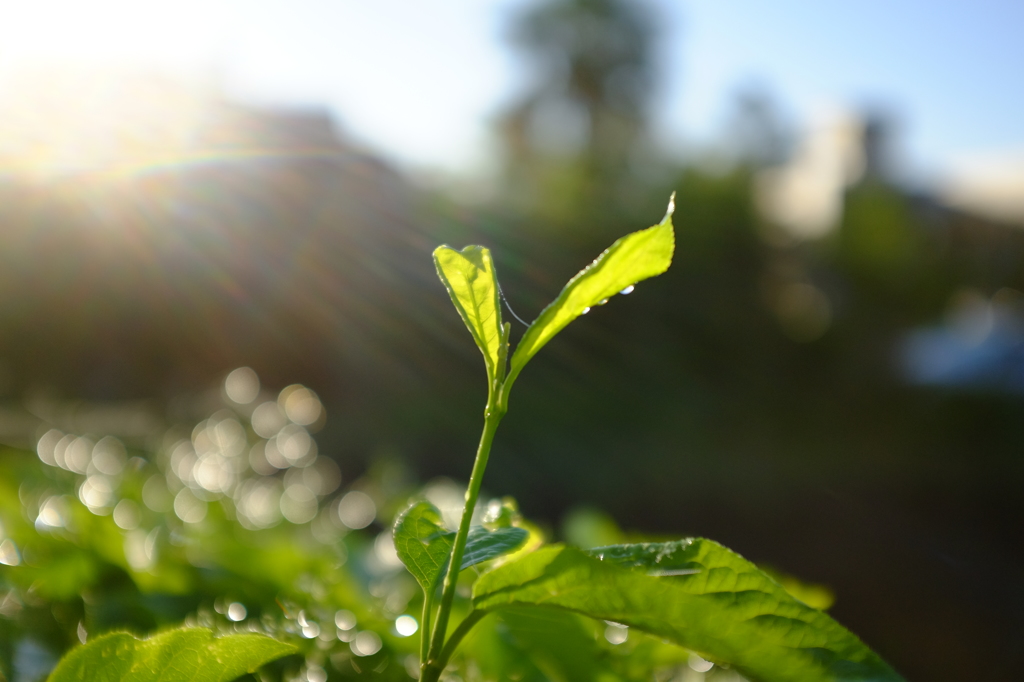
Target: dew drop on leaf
[[585, 311], [616, 633], [627, 290], [699, 664]]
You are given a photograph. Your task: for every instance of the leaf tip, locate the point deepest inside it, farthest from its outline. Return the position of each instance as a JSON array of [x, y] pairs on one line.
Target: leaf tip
[[671, 208]]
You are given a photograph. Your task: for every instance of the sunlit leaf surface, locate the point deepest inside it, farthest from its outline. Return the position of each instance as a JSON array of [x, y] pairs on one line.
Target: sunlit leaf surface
[[469, 277], [633, 258], [694, 593], [187, 655]]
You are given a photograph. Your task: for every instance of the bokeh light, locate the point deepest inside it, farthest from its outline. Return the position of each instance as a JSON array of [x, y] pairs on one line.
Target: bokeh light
[[356, 510], [242, 385], [236, 611], [344, 619], [406, 626], [9, 554], [366, 643], [127, 515]]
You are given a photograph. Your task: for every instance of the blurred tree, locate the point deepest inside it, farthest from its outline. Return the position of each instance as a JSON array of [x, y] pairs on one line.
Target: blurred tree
[[574, 131], [755, 134]]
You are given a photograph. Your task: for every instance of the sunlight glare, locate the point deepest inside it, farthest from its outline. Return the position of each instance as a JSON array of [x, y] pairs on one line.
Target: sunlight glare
[[63, 121], [81, 88]]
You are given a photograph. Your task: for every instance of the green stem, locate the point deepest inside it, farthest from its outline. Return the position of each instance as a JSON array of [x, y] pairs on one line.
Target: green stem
[[432, 671], [428, 602], [492, 417], [461, 631]]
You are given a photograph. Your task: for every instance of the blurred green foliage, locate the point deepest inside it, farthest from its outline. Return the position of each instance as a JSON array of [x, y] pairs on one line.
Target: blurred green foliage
[[77, 563], [74, 565], [180, 655]]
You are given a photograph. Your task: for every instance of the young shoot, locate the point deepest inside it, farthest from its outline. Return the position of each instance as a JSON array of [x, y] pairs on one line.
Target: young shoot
[[692, 592]]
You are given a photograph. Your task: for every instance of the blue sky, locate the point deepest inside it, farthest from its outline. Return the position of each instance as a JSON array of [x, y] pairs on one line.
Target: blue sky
[[419, 79], [953, 72]]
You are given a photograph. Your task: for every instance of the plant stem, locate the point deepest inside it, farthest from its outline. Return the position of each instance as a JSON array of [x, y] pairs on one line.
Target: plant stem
[[428, 603], [461, 631], [430, 670]]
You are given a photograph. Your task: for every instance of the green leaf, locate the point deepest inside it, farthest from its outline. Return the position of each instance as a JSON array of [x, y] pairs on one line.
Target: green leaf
[[498, 655], [425, 546], [469, 277], [186, 655], [484, 545], [694, 593], [558, 643], [633, 258], [423, 543]]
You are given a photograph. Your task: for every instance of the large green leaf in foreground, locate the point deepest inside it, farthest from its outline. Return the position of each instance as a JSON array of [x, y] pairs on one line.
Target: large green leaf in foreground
[[469, 277], [520, 643], [186, 655], [424, 545], [694, 593], [633, 258]]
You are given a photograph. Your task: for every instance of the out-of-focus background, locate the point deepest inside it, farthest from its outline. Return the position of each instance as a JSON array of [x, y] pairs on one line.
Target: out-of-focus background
[[830, 378]]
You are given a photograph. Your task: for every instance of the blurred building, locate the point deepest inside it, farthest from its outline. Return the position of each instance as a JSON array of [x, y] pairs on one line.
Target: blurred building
[[991, 185], [965, 234]]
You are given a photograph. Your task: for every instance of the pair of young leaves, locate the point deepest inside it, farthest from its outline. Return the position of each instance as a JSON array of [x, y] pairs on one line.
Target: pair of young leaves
[[469, 277], [694, 592]]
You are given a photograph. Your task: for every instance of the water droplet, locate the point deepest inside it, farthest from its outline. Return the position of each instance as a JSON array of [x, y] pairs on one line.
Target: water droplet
[[585, 311], [627, 290], [602, 301], [699, 664], [616, 633]]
